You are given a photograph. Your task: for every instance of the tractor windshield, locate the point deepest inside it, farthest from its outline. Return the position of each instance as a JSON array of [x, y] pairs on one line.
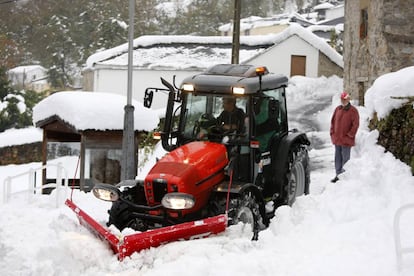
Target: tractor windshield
[[211, 117]]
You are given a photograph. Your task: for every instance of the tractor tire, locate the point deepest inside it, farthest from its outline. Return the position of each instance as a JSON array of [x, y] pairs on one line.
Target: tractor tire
[[297, 174], [119, 215], [246, 209], [307, 173]]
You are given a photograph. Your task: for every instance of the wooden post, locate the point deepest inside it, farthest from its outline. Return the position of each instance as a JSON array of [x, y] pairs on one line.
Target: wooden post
[[236, 33]]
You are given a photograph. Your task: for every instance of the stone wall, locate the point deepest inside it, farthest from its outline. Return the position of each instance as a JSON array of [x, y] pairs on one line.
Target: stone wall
[[87, 79], [21, 154], [388, 46], [397, 133], [328, 68]]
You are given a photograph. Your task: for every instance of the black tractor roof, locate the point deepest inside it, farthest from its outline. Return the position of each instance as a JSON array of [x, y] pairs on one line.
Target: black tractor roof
[[220, 79]]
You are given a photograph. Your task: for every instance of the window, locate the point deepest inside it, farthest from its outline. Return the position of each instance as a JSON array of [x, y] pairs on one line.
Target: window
[[202, 112], [57, 150], [363, 27], [361, 93], [102, 165], [270, 117], [66, 153], [321, 15]]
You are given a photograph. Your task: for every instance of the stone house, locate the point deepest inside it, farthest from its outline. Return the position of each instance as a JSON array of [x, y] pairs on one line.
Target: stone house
[[378, 39]]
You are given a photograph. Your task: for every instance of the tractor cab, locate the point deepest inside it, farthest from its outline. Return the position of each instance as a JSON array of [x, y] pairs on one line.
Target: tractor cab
[[241, 106]]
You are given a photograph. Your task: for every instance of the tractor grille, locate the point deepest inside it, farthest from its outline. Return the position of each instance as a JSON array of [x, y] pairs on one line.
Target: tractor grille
[[159, 187]]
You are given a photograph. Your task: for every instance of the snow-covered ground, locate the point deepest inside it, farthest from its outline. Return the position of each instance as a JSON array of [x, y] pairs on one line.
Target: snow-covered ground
[[344, 228]]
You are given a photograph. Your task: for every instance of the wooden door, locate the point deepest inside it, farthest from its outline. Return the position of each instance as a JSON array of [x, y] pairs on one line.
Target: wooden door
[[298, 65]]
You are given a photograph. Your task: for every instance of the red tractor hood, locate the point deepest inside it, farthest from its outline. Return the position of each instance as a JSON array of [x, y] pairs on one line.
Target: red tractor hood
[[193, 168], [205, 157]]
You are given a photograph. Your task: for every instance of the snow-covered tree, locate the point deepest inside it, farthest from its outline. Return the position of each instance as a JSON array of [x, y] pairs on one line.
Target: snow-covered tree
[[15, 107]]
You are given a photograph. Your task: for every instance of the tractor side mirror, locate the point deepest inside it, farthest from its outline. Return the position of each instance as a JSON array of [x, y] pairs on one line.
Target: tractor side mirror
[[149, 95]]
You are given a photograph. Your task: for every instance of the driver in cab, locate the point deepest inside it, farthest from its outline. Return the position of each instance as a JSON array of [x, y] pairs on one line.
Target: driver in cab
[[231, 118]]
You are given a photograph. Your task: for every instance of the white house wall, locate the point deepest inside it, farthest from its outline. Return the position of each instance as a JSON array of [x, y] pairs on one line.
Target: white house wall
[[278, 58], [25, 77], [115, 81]]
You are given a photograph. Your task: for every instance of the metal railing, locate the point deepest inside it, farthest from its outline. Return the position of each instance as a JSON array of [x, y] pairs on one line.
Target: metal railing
[[400, 250], [33, 188]]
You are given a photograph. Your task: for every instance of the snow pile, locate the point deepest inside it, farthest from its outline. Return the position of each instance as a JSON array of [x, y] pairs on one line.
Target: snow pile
[[340, 229], [384, 94]]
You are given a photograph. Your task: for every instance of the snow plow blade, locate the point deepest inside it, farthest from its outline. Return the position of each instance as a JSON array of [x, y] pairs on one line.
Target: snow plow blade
[[129, 244]]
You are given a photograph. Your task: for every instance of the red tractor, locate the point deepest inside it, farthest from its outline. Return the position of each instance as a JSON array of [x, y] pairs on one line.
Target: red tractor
[[243, 162]]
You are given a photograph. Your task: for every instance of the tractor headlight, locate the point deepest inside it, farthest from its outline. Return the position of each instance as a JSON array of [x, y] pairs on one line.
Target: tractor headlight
[[178, 201], [188, 87], [238, 90], [106, 192]]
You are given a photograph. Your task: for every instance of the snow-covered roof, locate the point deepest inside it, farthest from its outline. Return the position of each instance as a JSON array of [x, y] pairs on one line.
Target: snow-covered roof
[[324, 31], [326, 28], [257, 21], [323, 6], [93, 110], [201, 52], [178, 52], [312, 39]]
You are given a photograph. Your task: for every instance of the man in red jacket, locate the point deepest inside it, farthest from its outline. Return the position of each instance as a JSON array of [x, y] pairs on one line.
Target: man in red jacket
[[344, 126]]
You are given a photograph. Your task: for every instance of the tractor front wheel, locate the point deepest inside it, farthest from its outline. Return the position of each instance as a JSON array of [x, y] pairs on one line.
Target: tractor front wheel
[[246, 209], [119, 215]]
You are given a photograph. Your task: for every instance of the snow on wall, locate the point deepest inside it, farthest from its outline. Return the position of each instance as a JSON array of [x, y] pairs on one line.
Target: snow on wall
[[11, 137], [390, 91]]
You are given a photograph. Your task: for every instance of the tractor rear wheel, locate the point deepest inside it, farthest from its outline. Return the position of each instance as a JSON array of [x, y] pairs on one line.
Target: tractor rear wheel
[[297, 174]]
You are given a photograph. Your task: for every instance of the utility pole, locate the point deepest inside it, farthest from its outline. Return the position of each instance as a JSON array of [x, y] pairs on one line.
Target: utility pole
[[128, 169], [236, 32]]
